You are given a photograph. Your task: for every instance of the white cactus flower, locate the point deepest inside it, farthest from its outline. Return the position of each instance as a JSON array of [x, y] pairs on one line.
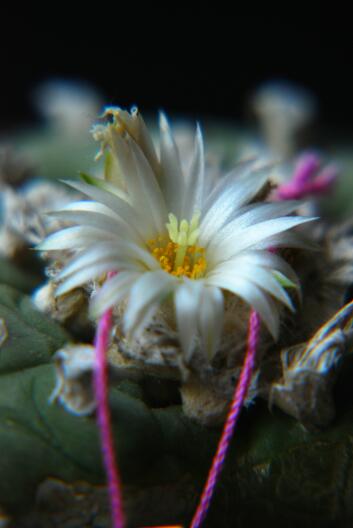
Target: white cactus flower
[[173, 233]]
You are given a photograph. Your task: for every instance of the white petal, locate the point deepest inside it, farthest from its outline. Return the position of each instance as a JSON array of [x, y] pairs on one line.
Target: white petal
[[195, 178], [171, 177], [260, 258], [124, 252], [258, 212], [76, 237], [226, 246], [92, 272], [259, 276], [145, 142], [211, 319], [105, 223], [134, 218], [111, 188], [145, 297], [187, 304], [145, 190], [89, 206], [142, 186], [122, 155], [228, 201], [287, 240], [241, 171], [113, 291], [253, 295]]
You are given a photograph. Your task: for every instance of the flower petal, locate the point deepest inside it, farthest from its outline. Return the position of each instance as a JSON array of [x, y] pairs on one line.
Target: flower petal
[[105, 185], [259, 212], [171, 177], [145, 297], [258, 258], [251, 294], [262, 277], [124, 252], [90, 273], [230, 199], [187, 303], [113, 291], [76, 237], [134, 218], [288, 239], [241, 171], [141, 183], [211, 319], [227, 245], [195, 178], [145, 191], [107, 224], [145, 142], [89, 206]]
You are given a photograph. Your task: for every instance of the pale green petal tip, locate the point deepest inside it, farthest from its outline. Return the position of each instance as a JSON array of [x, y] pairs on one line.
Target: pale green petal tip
[[284, 281], [96, 182], [91, 180]]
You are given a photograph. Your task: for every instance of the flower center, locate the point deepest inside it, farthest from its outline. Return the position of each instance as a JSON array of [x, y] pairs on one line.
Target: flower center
[[180, 255]]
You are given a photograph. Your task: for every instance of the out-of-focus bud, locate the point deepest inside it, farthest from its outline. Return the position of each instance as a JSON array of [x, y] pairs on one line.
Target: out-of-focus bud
[[69, 106], [284, 110]]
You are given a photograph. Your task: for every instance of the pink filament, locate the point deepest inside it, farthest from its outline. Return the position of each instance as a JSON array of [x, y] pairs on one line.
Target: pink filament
[[104, 419], [232, 419]]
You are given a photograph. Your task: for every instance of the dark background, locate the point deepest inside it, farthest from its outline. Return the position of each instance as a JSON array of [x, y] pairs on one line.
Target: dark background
[[200, 62]]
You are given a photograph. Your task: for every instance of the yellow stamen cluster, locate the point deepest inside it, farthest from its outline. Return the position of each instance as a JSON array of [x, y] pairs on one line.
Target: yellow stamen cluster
[[180, 256]]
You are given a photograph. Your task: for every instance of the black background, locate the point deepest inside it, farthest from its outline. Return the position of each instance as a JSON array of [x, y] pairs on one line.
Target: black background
[[200, 62]]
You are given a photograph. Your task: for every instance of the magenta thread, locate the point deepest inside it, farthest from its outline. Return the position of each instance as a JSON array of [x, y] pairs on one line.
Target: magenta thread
[[232, 419], [104, 419]]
